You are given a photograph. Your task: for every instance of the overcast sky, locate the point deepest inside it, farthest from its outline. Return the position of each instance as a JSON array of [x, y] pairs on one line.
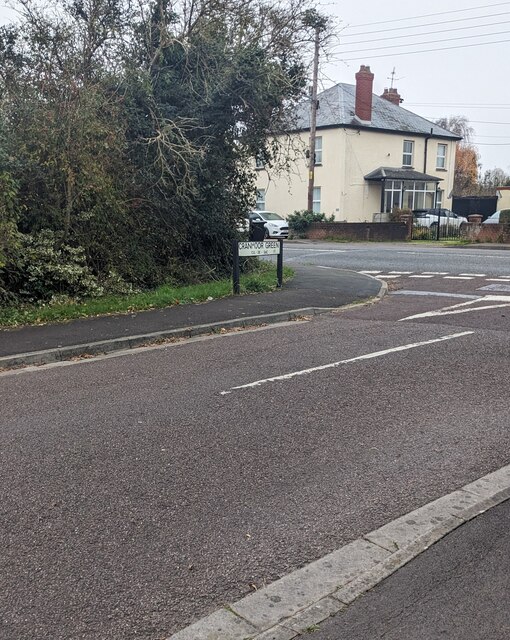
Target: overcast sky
[[471, 79]]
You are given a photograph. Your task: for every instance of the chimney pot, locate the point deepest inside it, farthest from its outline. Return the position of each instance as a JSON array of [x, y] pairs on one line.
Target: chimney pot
[[364, 84], [392, 95]]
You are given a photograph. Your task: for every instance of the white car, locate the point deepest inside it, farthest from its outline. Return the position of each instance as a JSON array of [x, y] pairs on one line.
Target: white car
[[429, 218], [493, 219], [274, 225]]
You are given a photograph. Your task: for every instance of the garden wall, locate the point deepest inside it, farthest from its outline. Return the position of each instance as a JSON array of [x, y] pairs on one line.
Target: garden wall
[[371, 231]]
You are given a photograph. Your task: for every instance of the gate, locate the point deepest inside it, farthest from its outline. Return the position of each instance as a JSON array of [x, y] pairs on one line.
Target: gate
[[436, 227]]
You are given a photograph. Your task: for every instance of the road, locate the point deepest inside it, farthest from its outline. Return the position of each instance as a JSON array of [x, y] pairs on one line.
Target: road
[[141, 492]]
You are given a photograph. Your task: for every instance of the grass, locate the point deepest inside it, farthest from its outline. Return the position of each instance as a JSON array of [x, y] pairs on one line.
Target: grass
[[263, 279]]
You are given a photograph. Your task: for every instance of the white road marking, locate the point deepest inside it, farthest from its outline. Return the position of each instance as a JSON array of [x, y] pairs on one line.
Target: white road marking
[[457, 278], [439, 294], [435, 273], [474, 275], [454, 252], [498, 279], [386, 277], [332, 365], [316, 250], [401, 273], [366, 271], [421, 276], [463, 307]]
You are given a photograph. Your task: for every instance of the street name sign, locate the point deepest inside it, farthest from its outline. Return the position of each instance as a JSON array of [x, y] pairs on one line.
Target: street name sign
[[261, 248]]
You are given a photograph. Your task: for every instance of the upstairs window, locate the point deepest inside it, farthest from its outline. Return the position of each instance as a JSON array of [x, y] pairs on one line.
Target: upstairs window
[[318, 150], [259, 162], [441, 156], [407, 155]]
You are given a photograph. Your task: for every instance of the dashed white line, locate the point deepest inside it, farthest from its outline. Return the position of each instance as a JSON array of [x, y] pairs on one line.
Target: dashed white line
[[435, 273], [366, 271], [386, 277], [402, 273], [421, 276], [457, 278], [331, 365], [473, 275], [498, 279]]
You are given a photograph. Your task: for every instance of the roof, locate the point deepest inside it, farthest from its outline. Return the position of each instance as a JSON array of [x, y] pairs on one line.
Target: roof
[[336, 109], [396, 173]]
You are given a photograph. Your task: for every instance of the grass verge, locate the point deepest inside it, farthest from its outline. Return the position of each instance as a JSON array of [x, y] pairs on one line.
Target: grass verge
[[263, 279]]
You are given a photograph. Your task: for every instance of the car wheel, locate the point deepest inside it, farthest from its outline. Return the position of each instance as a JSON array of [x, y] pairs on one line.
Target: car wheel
[[266, 234]]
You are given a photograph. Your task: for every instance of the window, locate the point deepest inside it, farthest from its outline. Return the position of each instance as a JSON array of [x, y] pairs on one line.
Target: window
[[441, 156], [409, 194], [439, 198], [316, 200], [318, 150], [393, 195], [259, 162], [261, 200], [407, 156]]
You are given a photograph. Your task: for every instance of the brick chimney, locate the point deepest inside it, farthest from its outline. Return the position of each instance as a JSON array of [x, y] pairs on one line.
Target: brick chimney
[[364, 83], [392, 95]]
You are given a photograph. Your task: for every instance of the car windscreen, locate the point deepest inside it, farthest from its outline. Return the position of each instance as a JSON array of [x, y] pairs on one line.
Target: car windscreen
[[271, 216]]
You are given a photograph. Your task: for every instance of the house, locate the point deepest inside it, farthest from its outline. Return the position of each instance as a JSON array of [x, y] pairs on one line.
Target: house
[[371, 156]]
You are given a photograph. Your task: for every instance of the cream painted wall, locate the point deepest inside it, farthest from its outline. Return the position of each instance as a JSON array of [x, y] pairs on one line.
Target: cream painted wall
[[503, 198], [347, 156]]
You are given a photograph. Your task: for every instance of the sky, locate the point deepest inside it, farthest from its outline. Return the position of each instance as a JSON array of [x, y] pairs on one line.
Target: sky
[[471, 80], [449, 59]]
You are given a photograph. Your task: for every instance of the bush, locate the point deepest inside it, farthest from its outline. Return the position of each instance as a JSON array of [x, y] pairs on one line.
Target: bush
[[300, 221], [397, 213], [39, 267], [504, 216]]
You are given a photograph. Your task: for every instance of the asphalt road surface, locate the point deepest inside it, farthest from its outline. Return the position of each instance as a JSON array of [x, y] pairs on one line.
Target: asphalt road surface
[[141, 492]]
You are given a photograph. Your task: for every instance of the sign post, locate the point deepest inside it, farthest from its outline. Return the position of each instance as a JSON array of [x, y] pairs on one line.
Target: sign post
[[257, 248]]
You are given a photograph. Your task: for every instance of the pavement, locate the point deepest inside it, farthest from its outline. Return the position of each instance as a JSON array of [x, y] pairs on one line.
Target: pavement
[[311, 289]]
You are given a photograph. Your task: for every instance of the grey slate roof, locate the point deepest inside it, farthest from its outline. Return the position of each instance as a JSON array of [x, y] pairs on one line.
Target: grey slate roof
[[399, 173], [336, 108]]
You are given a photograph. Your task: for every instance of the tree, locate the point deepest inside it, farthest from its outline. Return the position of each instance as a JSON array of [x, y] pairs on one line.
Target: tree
[[129, 128]]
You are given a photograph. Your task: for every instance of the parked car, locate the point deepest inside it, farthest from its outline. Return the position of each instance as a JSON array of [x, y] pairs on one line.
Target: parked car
[[274, 225], [430, 217], [493, 219]]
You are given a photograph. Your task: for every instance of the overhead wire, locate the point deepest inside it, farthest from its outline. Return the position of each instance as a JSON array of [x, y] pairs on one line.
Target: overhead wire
[[429, 15], [417, 44]]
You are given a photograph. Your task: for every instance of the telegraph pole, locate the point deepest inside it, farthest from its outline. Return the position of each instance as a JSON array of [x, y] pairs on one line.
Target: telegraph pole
[[313, 119]]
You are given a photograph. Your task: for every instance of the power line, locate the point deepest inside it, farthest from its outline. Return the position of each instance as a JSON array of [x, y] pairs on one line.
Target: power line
[[460, 104], [429, 15], [473, 121], [396, 46], [408, 53], [428, 24], [426, 33]]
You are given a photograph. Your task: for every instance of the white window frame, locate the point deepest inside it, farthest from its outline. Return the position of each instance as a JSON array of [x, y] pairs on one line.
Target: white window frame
[[316, 203], [439, 199], [441, 157], [407, 155], [261, 200], [259, 162], [318, 150]]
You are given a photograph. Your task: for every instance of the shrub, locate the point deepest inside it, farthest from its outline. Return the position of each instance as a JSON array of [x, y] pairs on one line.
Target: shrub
[[300, 221], [397, 213], [504, 217], [39, 267]]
